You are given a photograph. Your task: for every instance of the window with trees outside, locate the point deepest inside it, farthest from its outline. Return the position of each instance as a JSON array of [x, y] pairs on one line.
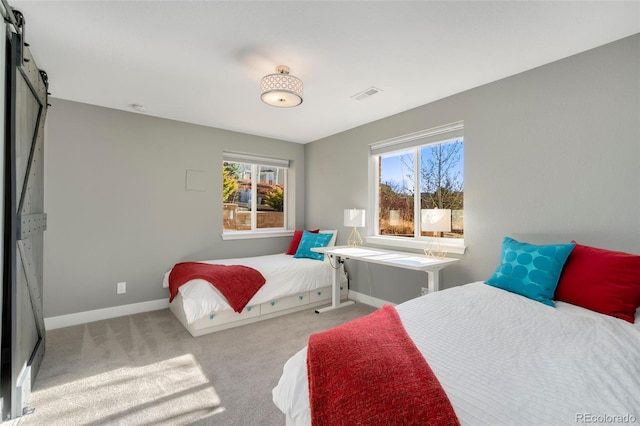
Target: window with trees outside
[[417, 173], [253, 193]]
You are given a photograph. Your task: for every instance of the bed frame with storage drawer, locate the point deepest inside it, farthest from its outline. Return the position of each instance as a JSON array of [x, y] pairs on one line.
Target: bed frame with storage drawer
[[223, 320]]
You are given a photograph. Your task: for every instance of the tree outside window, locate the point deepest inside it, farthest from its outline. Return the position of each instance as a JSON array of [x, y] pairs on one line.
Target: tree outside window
[[438, 181], [253, 203]]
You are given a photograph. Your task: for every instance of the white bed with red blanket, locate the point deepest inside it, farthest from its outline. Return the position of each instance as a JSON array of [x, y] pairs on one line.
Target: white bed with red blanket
[[551, 338], [504, 359], [292, 284]]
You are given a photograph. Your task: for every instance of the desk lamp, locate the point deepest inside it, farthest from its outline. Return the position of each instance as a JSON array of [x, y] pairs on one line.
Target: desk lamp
[[355, 219], [435, 221]]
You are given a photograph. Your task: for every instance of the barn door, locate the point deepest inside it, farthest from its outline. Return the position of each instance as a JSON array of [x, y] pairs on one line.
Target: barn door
[[23, 333]]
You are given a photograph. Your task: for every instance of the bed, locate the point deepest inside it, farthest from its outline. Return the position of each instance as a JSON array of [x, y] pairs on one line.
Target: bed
[[504, 358], [292, 284]]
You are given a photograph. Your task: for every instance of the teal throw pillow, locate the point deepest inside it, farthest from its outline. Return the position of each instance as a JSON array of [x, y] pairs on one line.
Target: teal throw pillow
[[309, 241], [530, 270]]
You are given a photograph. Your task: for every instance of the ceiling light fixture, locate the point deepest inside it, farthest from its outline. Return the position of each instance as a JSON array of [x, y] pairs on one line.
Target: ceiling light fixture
[[281, 89]]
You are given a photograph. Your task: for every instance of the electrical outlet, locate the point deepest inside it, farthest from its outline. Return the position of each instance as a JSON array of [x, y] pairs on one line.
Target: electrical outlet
[[121, 287], [424, 290]]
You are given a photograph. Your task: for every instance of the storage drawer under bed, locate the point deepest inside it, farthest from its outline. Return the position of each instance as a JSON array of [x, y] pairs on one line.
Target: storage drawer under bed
[[225, 319], [228, 315], [285, 303], [324, 293]]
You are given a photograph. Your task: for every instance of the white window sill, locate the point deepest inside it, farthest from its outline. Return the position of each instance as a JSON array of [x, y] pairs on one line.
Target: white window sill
[[249, 235], [409, 243]]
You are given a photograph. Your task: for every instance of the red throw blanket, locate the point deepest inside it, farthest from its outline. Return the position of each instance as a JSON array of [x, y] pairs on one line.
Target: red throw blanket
[[237, 283], [369, 372]]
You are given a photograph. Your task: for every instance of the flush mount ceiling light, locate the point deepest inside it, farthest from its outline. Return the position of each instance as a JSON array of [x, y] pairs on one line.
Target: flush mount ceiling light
[[281, 89]]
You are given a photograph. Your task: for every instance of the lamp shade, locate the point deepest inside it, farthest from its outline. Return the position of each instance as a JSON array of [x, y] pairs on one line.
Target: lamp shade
[[436, 220], [281, 89], [354, 218]]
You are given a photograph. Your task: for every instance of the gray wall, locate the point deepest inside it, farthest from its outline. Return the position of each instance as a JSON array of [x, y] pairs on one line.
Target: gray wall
[[551, 154], [117, 206]]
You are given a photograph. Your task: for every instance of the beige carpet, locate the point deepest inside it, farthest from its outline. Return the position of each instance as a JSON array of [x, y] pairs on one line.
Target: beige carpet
[[146, 369]]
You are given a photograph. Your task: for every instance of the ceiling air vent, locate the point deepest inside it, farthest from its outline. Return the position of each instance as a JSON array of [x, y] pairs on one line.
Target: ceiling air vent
[[367, 93]]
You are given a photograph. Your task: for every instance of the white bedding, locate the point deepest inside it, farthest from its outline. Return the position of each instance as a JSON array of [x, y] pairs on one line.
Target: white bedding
[[284, 275], [506, 360]]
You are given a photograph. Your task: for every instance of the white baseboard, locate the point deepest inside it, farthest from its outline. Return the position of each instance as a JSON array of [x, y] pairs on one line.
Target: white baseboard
[[101, 314], [368, 300], [135, 308]]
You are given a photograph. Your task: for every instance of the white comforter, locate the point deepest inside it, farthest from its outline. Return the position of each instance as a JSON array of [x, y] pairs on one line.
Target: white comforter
[[506, 360], [284, 275]]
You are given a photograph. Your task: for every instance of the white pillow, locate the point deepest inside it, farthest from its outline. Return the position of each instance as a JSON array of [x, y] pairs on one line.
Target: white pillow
[[332, 241]]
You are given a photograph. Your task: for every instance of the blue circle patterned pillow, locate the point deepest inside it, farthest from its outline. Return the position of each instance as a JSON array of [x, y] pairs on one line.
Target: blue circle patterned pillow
[[530, 270]]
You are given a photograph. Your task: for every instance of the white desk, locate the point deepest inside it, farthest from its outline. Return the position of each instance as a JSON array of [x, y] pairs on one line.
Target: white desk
[[398, 259]]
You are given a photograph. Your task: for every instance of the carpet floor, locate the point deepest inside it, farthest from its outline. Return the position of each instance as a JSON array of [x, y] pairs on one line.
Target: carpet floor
[[146, 369]]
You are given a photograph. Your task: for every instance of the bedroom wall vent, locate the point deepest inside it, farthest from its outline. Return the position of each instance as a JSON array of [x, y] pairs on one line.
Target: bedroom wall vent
[[367, 93], [281, 89]]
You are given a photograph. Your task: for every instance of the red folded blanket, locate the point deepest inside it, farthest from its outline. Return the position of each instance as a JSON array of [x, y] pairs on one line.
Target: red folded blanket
[[369, 372], [237, 283]]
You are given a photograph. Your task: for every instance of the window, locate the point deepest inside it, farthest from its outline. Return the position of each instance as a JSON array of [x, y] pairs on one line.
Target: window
[[254, 193], [415, 174]]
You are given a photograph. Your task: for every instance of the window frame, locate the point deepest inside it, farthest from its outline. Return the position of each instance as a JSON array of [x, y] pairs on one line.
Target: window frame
[[256, 162], [412, 142]]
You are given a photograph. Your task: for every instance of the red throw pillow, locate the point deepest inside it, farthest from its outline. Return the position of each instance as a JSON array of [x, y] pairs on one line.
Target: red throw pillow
[[602, 280], [295, 241]]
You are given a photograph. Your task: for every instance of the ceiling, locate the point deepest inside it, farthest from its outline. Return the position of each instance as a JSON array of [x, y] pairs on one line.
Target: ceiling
[[201, 61]]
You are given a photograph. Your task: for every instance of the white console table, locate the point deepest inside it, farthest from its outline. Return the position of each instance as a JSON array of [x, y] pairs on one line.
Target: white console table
[[398, 259]]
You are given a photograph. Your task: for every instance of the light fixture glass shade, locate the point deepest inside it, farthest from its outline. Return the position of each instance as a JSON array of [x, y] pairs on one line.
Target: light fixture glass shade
[[354, 217], [436, 220], [281, 89]]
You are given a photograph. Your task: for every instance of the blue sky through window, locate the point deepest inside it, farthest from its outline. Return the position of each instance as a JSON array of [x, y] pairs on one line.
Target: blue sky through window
[[397, 168]]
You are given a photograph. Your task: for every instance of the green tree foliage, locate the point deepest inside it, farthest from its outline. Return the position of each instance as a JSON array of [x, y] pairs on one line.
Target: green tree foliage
[[275, 199], [229, 180], [234, 168]]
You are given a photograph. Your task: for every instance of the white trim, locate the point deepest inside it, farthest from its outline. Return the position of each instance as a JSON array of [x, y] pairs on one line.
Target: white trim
[[450, 245], [368, 300], [411, 141], [101, 314], [424, 137], [248, 235], [254, 195], [237, 157]]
